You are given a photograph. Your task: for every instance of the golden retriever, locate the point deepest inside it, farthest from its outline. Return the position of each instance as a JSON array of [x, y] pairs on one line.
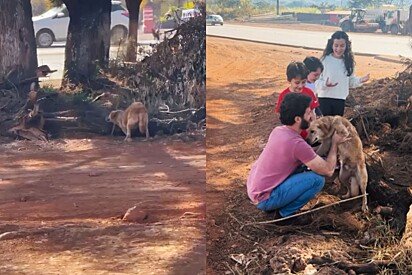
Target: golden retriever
[[135, 116], [353, 171]]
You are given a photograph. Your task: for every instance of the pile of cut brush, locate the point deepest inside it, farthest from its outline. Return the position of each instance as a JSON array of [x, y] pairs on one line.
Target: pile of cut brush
[[382, 111], [383, 118], [171, 82], [175, 74]]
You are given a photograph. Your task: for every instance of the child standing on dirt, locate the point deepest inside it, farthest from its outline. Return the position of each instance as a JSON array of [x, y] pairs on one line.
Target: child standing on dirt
[[296, 74], [315, 67], [338, 75]]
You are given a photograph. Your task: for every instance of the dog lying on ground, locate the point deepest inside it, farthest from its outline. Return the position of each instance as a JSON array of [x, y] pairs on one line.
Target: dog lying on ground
[[353, 171], [135, 116]]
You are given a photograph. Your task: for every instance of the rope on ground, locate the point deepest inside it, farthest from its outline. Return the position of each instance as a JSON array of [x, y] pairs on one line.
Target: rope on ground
[[307, 212]]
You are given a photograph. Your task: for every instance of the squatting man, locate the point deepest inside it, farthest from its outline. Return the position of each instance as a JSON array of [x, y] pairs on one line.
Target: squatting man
[[275, 182]]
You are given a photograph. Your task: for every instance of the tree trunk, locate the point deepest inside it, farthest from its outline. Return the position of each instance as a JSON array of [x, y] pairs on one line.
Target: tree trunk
[[17, 42], [409, 21], [134, 7], [88, 40]]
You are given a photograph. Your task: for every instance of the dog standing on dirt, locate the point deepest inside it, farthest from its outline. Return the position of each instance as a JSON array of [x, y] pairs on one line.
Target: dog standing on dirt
[[353, 171], [135, 116]]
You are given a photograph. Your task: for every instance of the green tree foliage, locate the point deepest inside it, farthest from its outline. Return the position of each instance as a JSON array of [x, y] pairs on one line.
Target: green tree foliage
[[38, 6], [324, 6], [368, 3], [264, 5], [231, 8]]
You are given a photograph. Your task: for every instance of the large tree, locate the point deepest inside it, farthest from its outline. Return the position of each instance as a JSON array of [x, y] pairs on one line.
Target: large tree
[[88, 40], [134, 10], [17, 43]]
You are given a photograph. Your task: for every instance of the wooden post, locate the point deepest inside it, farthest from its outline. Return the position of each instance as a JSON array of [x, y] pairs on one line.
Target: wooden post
[[277, 7]]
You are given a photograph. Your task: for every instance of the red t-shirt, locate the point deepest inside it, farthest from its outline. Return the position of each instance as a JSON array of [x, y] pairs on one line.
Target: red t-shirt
[[305, 91]]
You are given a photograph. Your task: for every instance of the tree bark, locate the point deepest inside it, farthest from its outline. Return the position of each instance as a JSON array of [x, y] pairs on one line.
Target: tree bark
[[409, 21], [17, 42], [88, 40], [133, 7]]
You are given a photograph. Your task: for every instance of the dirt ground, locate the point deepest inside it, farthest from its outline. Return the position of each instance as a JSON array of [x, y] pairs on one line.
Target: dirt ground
[[62, 202], [243, 80]]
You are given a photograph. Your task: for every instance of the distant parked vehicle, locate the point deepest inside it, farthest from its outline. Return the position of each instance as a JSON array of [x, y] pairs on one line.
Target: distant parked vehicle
[[52, 25], [356, 22], [214, 20]]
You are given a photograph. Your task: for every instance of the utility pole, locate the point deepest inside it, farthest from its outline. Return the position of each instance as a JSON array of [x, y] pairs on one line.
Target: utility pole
[[277, 7]]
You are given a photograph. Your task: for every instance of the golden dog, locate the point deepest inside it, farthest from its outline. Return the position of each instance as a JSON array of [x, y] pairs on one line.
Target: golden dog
[[350, 153], [135, 116]]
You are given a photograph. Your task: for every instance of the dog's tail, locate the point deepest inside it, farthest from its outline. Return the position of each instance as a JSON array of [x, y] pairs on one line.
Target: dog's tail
[[144, 124]]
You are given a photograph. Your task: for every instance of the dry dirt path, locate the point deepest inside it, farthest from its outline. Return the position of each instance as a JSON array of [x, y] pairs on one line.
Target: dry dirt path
[[61, 204]]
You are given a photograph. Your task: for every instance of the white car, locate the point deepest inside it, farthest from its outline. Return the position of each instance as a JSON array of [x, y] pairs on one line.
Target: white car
[[52, 25], [214, 20]]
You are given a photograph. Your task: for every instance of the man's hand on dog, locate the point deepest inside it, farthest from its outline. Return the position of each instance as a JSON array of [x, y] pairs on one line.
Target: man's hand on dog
[[338, 139]]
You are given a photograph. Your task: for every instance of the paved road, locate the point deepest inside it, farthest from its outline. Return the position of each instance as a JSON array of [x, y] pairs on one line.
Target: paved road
[[54, 55], [361, 43]]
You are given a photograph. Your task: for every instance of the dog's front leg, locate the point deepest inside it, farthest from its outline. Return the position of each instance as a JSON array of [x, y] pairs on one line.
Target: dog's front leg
[[114, 126], [345, 178], [128, 134], [362, 178], [324, 147]]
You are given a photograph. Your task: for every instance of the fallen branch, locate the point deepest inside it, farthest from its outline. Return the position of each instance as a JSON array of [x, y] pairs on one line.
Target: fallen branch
[[364, 128], [182, 113], [307, 212], [369, 268]]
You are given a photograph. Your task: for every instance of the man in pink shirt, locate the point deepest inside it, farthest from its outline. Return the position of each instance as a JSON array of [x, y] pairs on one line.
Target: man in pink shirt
[[273, 182]]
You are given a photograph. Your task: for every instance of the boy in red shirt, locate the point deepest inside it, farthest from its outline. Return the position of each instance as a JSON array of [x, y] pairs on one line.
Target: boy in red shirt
[[297, 73]]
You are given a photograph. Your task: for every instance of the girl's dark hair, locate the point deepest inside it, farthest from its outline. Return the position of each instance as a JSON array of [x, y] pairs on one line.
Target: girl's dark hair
[[293, 105], [296, 69], [347, 55], [313, 63]]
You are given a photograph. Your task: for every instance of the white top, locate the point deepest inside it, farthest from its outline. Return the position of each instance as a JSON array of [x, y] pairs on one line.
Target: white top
[[311, 86], [334, 69]]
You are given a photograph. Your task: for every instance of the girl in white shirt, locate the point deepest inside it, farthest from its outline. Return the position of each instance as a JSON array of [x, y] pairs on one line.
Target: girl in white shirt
[[338, 75]]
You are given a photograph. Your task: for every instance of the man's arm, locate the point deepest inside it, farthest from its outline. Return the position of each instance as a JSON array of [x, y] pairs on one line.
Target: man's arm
[[324, 167], [327, 167]]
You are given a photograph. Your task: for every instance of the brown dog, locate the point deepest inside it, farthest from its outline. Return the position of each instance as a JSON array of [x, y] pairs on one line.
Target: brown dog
[[353, 171], [135, 116]]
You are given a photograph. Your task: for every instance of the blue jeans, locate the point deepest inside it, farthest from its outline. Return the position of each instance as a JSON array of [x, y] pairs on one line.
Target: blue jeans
[[293, 193]]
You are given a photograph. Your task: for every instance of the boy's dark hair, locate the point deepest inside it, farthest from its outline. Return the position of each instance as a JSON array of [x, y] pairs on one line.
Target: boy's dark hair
[[347, 55], [293, 105], [296, 69], [313, 63]]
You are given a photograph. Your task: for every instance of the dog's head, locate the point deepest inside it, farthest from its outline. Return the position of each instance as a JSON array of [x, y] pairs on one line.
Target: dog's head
[[320, 129], [113, 116]]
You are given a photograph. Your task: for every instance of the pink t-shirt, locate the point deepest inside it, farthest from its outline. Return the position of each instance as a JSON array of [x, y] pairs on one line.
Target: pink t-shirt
[[283, 153]]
